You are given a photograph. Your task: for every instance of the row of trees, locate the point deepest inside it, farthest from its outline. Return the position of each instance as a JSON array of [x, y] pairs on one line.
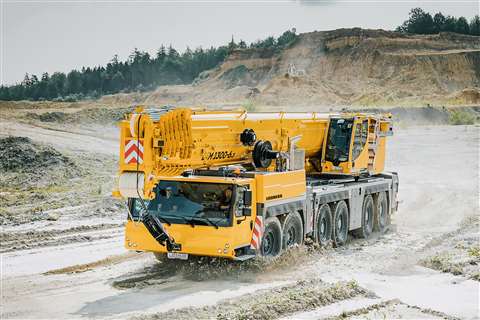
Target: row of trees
[[421, 22], [139, 72]]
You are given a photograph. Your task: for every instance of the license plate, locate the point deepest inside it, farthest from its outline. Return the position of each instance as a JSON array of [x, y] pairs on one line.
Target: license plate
[[176, 255]]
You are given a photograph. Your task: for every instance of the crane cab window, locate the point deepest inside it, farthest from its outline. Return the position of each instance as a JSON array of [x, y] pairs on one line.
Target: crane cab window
[[360, 138], [339, 137]]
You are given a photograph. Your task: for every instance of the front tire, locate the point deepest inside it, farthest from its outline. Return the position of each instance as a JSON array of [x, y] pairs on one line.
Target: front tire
[[271, 245], [292, 230], [340, 224], [324, 225]]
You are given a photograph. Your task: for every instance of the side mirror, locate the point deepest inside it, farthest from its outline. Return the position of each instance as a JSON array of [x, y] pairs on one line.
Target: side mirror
[[247, 198], [247, 212]]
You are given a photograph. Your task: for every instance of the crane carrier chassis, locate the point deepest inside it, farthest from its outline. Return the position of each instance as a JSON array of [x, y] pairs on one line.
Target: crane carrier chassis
[[232, 185]]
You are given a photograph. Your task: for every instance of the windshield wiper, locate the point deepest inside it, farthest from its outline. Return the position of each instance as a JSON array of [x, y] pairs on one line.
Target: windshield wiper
[[210, 222], [205, 219], [189, 221], [164, 220]]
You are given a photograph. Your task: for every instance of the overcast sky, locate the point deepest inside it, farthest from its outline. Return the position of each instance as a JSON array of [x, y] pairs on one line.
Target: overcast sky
[[48, 36]]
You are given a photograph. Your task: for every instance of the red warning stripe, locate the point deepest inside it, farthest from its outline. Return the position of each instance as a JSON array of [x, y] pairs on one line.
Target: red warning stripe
[[133, 151], [257, 234]]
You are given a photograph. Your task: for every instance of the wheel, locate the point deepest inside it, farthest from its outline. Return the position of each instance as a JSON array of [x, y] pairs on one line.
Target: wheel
[[367, 218], [340, 224], [381, 217], [292, 230], [324, 225], [271, 245]]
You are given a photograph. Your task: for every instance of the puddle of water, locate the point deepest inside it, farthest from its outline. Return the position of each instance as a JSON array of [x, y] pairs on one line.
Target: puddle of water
[[174, 293]]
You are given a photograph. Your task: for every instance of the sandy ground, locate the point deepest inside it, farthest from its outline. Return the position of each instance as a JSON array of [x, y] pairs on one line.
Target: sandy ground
[[79, 269]]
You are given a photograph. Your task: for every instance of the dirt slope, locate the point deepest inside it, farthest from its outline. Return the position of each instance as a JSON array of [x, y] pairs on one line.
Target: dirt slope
[[343, 67]]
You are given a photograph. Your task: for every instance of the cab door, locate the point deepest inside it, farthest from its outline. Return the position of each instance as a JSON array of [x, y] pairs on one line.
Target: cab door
[[243, 213], [359, 146]]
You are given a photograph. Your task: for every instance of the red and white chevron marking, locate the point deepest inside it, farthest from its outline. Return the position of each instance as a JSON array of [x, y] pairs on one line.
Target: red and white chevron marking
[[257, 233], [133, 151]]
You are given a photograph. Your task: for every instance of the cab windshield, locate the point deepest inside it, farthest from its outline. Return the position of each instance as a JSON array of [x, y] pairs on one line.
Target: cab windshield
[[339, 135], [194, 203]]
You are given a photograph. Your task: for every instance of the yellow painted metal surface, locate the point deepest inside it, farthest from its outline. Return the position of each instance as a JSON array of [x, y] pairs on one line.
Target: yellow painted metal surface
[[199, 240], [183, 139], [280, 185]]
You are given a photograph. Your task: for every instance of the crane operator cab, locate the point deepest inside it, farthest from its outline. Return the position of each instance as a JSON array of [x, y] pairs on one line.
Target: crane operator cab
[[355, 145]]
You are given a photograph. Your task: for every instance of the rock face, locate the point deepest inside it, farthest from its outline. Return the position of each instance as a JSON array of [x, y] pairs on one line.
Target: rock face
[[345, 67]]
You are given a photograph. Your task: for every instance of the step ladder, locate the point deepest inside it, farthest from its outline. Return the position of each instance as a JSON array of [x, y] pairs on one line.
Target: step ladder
[[372, 144]]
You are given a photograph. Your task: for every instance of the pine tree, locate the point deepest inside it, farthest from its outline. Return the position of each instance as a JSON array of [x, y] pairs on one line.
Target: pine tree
[[242, 44], [232, 45], [419, 22], [450, 24], [438, 22], [462, 26], [475, 26]]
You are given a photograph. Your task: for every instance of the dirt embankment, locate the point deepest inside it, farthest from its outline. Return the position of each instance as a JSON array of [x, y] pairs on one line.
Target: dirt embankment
[[343, 67], [29, 171], [54, 157]]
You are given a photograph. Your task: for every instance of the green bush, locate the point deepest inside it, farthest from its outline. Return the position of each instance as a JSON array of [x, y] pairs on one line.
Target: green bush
[[461, 118]]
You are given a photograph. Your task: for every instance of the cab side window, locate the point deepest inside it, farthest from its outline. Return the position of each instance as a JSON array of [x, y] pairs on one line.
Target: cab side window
[[360, 138]]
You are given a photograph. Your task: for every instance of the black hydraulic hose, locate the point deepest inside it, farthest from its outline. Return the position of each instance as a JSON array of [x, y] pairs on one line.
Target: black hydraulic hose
[[170, 241], [138, 165]]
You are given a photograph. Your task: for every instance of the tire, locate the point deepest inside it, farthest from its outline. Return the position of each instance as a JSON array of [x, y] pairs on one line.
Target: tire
[[271, 245], [292, 230], [382, 217], [323, 228], [340, 224], [367, 218]]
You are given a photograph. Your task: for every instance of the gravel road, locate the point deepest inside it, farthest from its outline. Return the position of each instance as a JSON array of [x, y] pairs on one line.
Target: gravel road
[[78, 267]]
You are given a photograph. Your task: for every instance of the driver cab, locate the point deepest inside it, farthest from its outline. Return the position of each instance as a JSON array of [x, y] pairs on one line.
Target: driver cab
[[346, 150]]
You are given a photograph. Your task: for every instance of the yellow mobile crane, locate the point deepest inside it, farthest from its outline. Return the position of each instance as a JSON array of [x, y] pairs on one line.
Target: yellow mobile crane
[[235, 184]]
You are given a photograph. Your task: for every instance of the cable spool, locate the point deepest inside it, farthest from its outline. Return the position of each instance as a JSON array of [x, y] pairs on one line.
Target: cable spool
[[137, 125], [263, 154]]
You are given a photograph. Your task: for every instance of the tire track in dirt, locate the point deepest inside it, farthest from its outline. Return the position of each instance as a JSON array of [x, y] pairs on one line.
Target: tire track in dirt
[[386, 309], [270, 303], [13, 241], [111, 260]]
